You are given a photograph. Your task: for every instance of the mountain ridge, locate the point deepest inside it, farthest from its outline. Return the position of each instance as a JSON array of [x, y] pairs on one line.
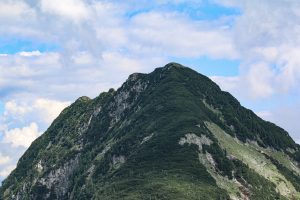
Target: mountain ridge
[[165, 135]]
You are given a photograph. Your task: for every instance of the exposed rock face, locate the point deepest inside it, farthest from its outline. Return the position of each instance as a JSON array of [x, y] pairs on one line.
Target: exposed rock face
[[58, 181], [147, 138], [121, 100], [191, 138], [170, 134], [118, 161], [54, 184]]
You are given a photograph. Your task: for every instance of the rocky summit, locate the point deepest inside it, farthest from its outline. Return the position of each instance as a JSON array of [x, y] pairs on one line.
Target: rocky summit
[[171, 134]]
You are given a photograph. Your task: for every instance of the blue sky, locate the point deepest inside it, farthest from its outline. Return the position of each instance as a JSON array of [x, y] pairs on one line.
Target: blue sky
[[211, 67], [52, 52], [15, 45], [197, 10]]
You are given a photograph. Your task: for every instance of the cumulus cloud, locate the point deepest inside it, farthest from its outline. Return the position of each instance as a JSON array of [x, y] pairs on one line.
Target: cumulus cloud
[[22, 136], [49, 109], [6, 171], [14, 9], [41, 109], [266, 36], [12, 108], [88, 49], [4, 159], [259, 78], [71, 9], [24, 71], [24, 119]]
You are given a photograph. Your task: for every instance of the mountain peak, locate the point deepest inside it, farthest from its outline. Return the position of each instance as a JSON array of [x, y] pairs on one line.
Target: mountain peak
[[173, 65], [134, 76], [83, 99], [169, 134]]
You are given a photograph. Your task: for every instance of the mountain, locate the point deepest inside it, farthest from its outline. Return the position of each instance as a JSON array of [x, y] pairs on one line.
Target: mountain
[[170, 134]]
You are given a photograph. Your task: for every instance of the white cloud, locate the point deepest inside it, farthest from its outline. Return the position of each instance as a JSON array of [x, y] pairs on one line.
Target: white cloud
[[4, 159], [174, 34], [24, 120], [46, 110], [12, 108], [49, 109], [268, 32], [75, 10], [120, 62], [6, 171], [146, 39], [28, 64], [289, 67], [227, 83], [259, 79], [30, 53], [83, 58], [267, 53], [14, 9], [22, 136]]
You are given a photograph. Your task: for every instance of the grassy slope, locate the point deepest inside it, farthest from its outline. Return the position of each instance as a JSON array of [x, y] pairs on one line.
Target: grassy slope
[[255, 160]]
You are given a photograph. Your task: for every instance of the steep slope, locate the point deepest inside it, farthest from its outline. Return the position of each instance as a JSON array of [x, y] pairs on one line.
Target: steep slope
[[170, 134]]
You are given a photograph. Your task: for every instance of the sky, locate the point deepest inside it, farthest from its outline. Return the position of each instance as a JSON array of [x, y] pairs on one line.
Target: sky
[[52, 52]]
